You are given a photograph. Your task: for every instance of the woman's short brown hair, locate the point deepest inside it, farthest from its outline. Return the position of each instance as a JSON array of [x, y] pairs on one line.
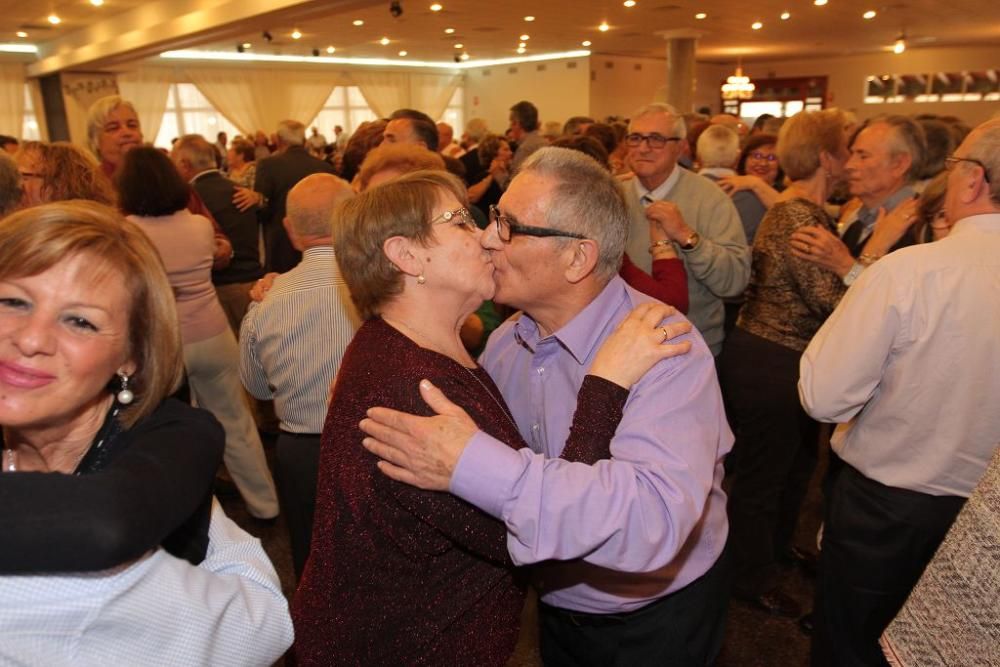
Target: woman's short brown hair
[[69, 172], [34, 240], [403, 158], [804, 136], [489, 148], [403, 207]]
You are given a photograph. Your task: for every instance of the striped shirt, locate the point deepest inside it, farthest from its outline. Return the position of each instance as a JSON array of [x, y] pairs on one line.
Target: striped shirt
[[292, 342]]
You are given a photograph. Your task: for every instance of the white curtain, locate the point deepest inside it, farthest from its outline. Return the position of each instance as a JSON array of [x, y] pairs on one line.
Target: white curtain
[[258, 99], [147, 88], [387, 91], [12, 99]]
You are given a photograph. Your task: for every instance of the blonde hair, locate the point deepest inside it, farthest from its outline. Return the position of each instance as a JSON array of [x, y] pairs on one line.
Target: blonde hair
[[34, 240], [403, 207], [97, 116], [804, 136], [400, 157]]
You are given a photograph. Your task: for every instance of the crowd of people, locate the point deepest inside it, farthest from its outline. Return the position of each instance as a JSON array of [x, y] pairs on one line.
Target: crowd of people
[[586, 358]]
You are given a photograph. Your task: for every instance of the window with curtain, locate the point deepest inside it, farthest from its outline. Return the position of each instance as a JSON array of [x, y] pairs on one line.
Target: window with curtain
[[29, 128], [454, 114], [188, 112], [345, 107]]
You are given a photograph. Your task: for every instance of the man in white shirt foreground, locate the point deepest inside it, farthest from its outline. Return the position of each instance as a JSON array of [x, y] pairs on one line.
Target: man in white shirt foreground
[[916, 400]]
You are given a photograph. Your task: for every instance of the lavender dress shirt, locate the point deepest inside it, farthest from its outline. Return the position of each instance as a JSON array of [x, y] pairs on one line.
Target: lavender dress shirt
[[643, 524]]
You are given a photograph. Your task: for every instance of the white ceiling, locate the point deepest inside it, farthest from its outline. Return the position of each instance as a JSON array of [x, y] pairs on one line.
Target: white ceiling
[[492, 29]]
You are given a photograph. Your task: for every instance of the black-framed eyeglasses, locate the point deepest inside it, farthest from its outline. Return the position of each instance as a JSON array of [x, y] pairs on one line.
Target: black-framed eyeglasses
[[769, 157], [951, 161], [460, 216], [655, 140], [507, 227]]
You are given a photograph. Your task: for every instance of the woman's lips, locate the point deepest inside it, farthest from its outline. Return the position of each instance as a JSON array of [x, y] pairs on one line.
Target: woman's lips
[[16, 375]]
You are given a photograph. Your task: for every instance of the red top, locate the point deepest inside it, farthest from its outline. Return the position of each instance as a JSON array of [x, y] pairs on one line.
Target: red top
[[668, 282]]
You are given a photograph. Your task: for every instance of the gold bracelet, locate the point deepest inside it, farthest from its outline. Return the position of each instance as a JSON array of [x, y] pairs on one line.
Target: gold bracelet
[[867, 260], [661, 244]]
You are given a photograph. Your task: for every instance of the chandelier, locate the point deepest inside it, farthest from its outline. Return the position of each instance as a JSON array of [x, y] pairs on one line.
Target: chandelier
[[737, 86]]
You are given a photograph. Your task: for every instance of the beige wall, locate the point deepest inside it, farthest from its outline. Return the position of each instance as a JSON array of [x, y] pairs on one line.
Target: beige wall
[[619, 84], [559, 88], [847, 78]]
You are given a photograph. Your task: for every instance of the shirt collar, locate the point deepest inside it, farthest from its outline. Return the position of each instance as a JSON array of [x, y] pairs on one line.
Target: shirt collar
[[204, 173], [868, 216], [664, 188], [717, 172], [581, 336]]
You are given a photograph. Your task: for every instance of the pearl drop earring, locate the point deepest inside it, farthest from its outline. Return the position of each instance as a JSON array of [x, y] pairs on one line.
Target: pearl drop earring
[[125, 396]]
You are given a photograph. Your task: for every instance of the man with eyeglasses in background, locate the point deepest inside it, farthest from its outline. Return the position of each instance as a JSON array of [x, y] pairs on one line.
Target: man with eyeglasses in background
[[915, 402], [641, 533], [698, 218]]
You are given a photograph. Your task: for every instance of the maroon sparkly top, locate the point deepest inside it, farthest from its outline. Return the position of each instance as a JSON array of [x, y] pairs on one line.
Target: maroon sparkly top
[[401, 576]]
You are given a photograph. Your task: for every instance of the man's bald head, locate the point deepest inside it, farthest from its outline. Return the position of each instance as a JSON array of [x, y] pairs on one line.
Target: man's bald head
[[311, 205]]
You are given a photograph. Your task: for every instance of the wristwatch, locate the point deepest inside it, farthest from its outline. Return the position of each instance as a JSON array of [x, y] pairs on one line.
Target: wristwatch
[[853, 274], [692, 242]]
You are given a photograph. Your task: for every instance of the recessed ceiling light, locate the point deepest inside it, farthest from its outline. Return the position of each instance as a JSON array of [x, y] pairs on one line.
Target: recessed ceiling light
[[629, 3], [247, 45], [449, 31], [522, 45], [819, 3], [21, 33], [870, 14], [384, 41], [701, 16], [604, 27], [97, 3], [331, 49], [464, 56], [521, 49], [54, 19], [402, 53], [460, 46], [757, 25], [524, 38], [436, 7], [357, 22], [899, 46], [296, 34], [785, 16], [585, 42], [529, 19]]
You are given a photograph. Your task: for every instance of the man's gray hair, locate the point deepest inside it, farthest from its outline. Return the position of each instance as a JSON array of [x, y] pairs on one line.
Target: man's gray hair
[[10, 185], [718, 146], [679, 129], [312, 202], [906, 138], [477, 128], [986, 149], [197, 151], [292, 132], [97, 116], [587, 200]]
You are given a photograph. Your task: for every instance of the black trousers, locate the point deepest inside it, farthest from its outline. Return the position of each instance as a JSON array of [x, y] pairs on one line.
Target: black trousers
[[296, 468], [877, 540], [683, 629], [773, 457]]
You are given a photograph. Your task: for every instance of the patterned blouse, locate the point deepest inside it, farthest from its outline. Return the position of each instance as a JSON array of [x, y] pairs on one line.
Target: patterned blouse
[[788, 299]]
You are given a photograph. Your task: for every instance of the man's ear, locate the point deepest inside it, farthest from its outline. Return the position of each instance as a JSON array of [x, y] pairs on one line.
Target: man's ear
[[400, 252], [582, 259]]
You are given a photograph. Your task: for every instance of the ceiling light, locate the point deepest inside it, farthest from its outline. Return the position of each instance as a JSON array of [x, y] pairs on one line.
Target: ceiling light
[[21, 33], [384, 41], [785, 16], [524, 38], [402, 53], [870, 14], [629, 3], [54, 19], [819, 3], [296, 34], [529, 19], [460, 46], [464, 56], [701, 16], [331, 49], [737, 86], [97, 3], [436, 7], [521, 49], [358, 22], [247, 45], [522, 45], [757, 25], [900, 45], [449, 31], [604, 27], [585, 42]]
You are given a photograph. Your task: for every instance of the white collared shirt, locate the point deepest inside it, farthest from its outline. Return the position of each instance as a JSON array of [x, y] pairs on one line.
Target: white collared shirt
[[659, 192]]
